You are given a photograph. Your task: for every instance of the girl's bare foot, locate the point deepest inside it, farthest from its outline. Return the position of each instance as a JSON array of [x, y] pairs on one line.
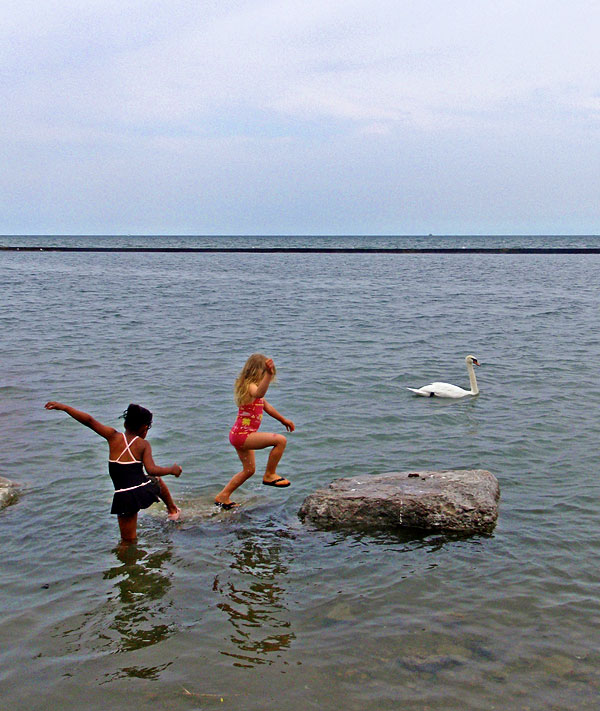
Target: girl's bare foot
[[174, 515]]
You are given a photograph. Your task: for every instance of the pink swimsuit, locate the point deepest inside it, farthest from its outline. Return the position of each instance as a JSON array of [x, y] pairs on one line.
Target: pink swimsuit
[[248, 421]]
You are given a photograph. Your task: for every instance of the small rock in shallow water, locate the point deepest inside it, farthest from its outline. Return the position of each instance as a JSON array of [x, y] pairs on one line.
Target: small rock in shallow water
[[340, 612], [8, 492]]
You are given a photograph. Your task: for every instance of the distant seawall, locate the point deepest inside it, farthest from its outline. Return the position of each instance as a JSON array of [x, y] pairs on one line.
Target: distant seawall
[[319, 250]]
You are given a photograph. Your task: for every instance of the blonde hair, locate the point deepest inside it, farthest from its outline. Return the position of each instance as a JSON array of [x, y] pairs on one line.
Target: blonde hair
[[252, 372]]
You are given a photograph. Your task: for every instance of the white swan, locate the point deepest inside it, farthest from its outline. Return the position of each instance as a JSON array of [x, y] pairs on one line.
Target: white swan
[[447, 390]]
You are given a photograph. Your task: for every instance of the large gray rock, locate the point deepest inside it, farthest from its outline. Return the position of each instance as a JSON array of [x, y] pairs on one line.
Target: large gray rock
[[454, 500], [8, 492]]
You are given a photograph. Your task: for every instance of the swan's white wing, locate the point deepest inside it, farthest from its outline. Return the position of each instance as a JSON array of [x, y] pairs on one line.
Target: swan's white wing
[[440, 390], [420, 391], [448, 390]]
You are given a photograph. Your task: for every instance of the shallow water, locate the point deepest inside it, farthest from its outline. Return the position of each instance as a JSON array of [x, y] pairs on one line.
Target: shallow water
[[252, 606]]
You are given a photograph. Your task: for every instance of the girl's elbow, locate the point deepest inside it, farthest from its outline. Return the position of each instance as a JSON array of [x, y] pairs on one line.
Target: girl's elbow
[[89, 421]]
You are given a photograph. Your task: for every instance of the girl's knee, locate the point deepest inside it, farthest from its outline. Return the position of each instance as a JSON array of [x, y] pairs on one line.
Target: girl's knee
[[281, 441], [249, 471]]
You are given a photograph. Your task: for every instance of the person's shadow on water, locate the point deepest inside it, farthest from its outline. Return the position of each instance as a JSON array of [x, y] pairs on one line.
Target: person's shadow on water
[[254, 601], [141, 585]]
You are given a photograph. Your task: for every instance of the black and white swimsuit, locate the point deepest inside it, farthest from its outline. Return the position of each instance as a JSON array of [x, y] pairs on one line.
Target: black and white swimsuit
[[134, 489]]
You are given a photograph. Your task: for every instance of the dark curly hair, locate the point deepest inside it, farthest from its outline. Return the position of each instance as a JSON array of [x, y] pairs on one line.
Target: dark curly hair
[[136, 417]]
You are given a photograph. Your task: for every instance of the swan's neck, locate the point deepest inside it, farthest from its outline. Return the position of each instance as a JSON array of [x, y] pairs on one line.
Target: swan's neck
[[472, 379]]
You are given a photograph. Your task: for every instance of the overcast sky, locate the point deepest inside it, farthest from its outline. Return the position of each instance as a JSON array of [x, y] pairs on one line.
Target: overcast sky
[[299, 117]]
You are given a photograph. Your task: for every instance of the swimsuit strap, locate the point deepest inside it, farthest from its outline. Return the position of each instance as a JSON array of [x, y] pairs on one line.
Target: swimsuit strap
[[127, 449]]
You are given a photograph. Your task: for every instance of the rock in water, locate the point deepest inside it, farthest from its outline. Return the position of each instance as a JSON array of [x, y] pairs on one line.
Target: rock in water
[[8, 492], [464, 500]]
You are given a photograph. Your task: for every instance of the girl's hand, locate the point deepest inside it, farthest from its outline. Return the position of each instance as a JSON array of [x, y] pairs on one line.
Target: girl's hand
[[176, 470], [54, 405], [270, 366], [289, 425]]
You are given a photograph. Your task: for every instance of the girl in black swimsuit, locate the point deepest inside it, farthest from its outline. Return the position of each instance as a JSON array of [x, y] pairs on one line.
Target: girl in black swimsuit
[[129, 455]]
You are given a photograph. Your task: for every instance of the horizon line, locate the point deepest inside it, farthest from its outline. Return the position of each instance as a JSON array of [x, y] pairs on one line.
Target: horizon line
[[315, 250], [299, 235]]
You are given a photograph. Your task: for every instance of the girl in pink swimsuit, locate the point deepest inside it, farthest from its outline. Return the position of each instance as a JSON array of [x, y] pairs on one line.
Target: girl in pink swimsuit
[[250, 388]]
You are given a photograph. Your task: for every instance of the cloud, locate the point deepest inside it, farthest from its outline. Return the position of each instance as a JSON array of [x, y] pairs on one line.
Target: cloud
[[214, 96], [105, 64]]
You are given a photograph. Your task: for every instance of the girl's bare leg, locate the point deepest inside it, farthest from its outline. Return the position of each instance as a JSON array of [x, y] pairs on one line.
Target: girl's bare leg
[[165, 495], [273, 460], [249, 467], [128, 528], [256, 440]]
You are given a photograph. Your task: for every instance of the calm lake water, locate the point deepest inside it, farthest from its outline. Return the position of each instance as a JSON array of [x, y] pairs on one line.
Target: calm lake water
[[252, 609]]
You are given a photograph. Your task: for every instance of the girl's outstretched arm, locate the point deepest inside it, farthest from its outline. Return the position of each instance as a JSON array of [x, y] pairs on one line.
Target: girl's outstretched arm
[[84, 418], [288, 424], [152, 468]]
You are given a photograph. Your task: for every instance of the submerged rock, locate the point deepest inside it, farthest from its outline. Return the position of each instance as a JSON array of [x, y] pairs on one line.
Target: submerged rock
[[463, 500], [8, 492]]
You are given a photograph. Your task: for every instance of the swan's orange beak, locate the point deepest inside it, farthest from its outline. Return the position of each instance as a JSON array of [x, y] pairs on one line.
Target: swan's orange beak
[[476, 362]]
